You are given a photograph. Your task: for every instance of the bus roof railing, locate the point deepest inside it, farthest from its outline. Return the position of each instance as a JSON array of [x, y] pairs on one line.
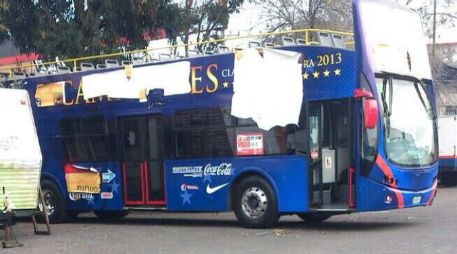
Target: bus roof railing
[[307, 37]]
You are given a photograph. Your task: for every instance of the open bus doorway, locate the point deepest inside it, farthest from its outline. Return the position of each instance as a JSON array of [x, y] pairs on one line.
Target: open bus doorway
[[330, 154], [142, 160]]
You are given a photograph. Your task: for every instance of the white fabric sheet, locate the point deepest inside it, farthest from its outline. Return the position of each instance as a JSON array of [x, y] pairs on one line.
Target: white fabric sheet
[[173, 78], [270, 89], [393, 32]]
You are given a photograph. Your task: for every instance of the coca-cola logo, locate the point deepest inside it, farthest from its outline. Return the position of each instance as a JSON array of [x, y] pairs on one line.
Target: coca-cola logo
[[223, 169]]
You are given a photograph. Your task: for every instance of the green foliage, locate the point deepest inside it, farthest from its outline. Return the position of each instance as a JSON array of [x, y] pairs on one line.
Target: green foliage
[[72, 28], [207, 19]]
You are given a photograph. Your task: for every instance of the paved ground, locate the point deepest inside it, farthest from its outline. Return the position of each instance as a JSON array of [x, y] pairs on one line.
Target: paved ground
[[420, 230]]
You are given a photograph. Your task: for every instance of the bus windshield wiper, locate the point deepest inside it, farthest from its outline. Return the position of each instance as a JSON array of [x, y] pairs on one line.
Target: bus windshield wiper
[[422, 99], [387, 105]]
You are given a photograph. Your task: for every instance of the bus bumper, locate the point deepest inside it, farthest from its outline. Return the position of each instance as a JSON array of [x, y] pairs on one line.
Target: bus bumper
[[374, 196]]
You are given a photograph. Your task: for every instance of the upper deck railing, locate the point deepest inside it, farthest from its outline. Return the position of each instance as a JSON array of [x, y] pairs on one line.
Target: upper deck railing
[[306, 37]]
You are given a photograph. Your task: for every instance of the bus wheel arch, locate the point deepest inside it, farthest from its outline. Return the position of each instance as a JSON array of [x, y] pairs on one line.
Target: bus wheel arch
[[254, 201], [54, 200]]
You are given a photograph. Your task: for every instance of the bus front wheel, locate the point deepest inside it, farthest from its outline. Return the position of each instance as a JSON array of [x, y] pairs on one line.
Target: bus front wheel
[[255, 203], [53, 201]]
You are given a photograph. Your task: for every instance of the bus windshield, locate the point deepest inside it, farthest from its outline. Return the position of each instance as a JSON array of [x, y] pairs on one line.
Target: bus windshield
[[410, 134]]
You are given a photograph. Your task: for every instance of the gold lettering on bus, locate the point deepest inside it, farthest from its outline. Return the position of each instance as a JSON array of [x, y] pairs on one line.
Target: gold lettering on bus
[[213, 79], [195, 79]]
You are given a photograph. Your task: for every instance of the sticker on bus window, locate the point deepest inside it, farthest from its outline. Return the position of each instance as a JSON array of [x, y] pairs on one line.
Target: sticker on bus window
[[249, 144]]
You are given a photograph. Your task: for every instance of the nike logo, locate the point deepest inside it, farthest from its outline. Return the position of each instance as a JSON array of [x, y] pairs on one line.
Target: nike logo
[[210, 190]]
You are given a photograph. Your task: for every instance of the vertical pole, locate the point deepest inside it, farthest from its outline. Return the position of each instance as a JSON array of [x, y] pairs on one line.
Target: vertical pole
[[307, 37], [434, 29], [74, 65]]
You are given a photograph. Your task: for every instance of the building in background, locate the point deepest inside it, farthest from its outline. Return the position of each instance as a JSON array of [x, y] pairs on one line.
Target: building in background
[[11, 56]]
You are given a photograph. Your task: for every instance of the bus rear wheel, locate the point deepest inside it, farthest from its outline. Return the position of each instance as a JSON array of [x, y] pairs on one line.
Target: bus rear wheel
[[313, 217], [53, 201], [255, 203]]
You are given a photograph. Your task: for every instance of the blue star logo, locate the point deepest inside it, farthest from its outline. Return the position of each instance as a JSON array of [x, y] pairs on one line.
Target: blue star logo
[[186, 197], [207, 178], [90, 202], [115, 187]]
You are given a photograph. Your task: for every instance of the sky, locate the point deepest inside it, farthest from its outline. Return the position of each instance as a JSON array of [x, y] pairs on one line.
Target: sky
[[249, 21]]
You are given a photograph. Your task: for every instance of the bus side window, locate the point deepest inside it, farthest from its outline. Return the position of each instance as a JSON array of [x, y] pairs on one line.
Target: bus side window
[[201, 133], [85, 139], [369, 139]]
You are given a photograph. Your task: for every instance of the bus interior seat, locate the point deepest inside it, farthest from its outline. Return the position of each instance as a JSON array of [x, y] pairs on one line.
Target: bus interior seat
[[287, 41], [16, 85], [324, 39], [254, 44], [209, 52], [193, 52], [138, 60], [3, 77], [269, 45], [300, 42], [111, 63], [164, 57], [222, 49], [126, 62], [86, 66], [338, 41], [63, 69], [19, 75], [101, 66]]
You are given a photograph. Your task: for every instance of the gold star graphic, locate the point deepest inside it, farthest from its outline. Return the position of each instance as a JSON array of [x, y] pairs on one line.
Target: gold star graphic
[[316, 74], [337, 72], [225, 84], [306, 75], [326, 73]]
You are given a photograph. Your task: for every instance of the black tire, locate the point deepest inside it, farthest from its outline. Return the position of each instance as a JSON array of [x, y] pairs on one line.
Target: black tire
[[313, 217], [54, 201], [255, 194], [111, 215]]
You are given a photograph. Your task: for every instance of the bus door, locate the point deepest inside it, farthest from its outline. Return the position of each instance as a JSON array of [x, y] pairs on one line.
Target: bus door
[[142, 147], [330, 141]]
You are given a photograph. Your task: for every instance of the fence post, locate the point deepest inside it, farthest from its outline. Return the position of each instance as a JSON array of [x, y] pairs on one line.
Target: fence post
[[306, 37]]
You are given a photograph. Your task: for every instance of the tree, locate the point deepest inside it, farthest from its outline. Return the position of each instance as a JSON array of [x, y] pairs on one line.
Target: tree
[[206, 19], [3, 29], [446, 15], [296, 14], [72, 28]]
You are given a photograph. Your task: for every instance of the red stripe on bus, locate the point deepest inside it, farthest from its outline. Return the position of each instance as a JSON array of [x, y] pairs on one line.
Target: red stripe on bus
[[400, 201], [448, 157], [430, 199], [385, 169], [388, 172]]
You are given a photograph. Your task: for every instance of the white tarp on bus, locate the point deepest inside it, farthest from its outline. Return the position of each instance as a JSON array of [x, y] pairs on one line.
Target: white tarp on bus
[[20, 154], [395, 42], [172, 77], [270, 89]]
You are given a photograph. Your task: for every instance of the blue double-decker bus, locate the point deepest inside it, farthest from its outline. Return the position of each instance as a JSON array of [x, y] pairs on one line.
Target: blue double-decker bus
[[308, 130]]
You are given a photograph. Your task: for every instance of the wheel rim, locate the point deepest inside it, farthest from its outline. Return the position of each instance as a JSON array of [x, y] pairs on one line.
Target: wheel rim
[[49, 202], [254, 202]]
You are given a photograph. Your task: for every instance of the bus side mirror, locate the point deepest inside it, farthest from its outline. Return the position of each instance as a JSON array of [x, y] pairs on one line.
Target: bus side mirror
[[370, 111]]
